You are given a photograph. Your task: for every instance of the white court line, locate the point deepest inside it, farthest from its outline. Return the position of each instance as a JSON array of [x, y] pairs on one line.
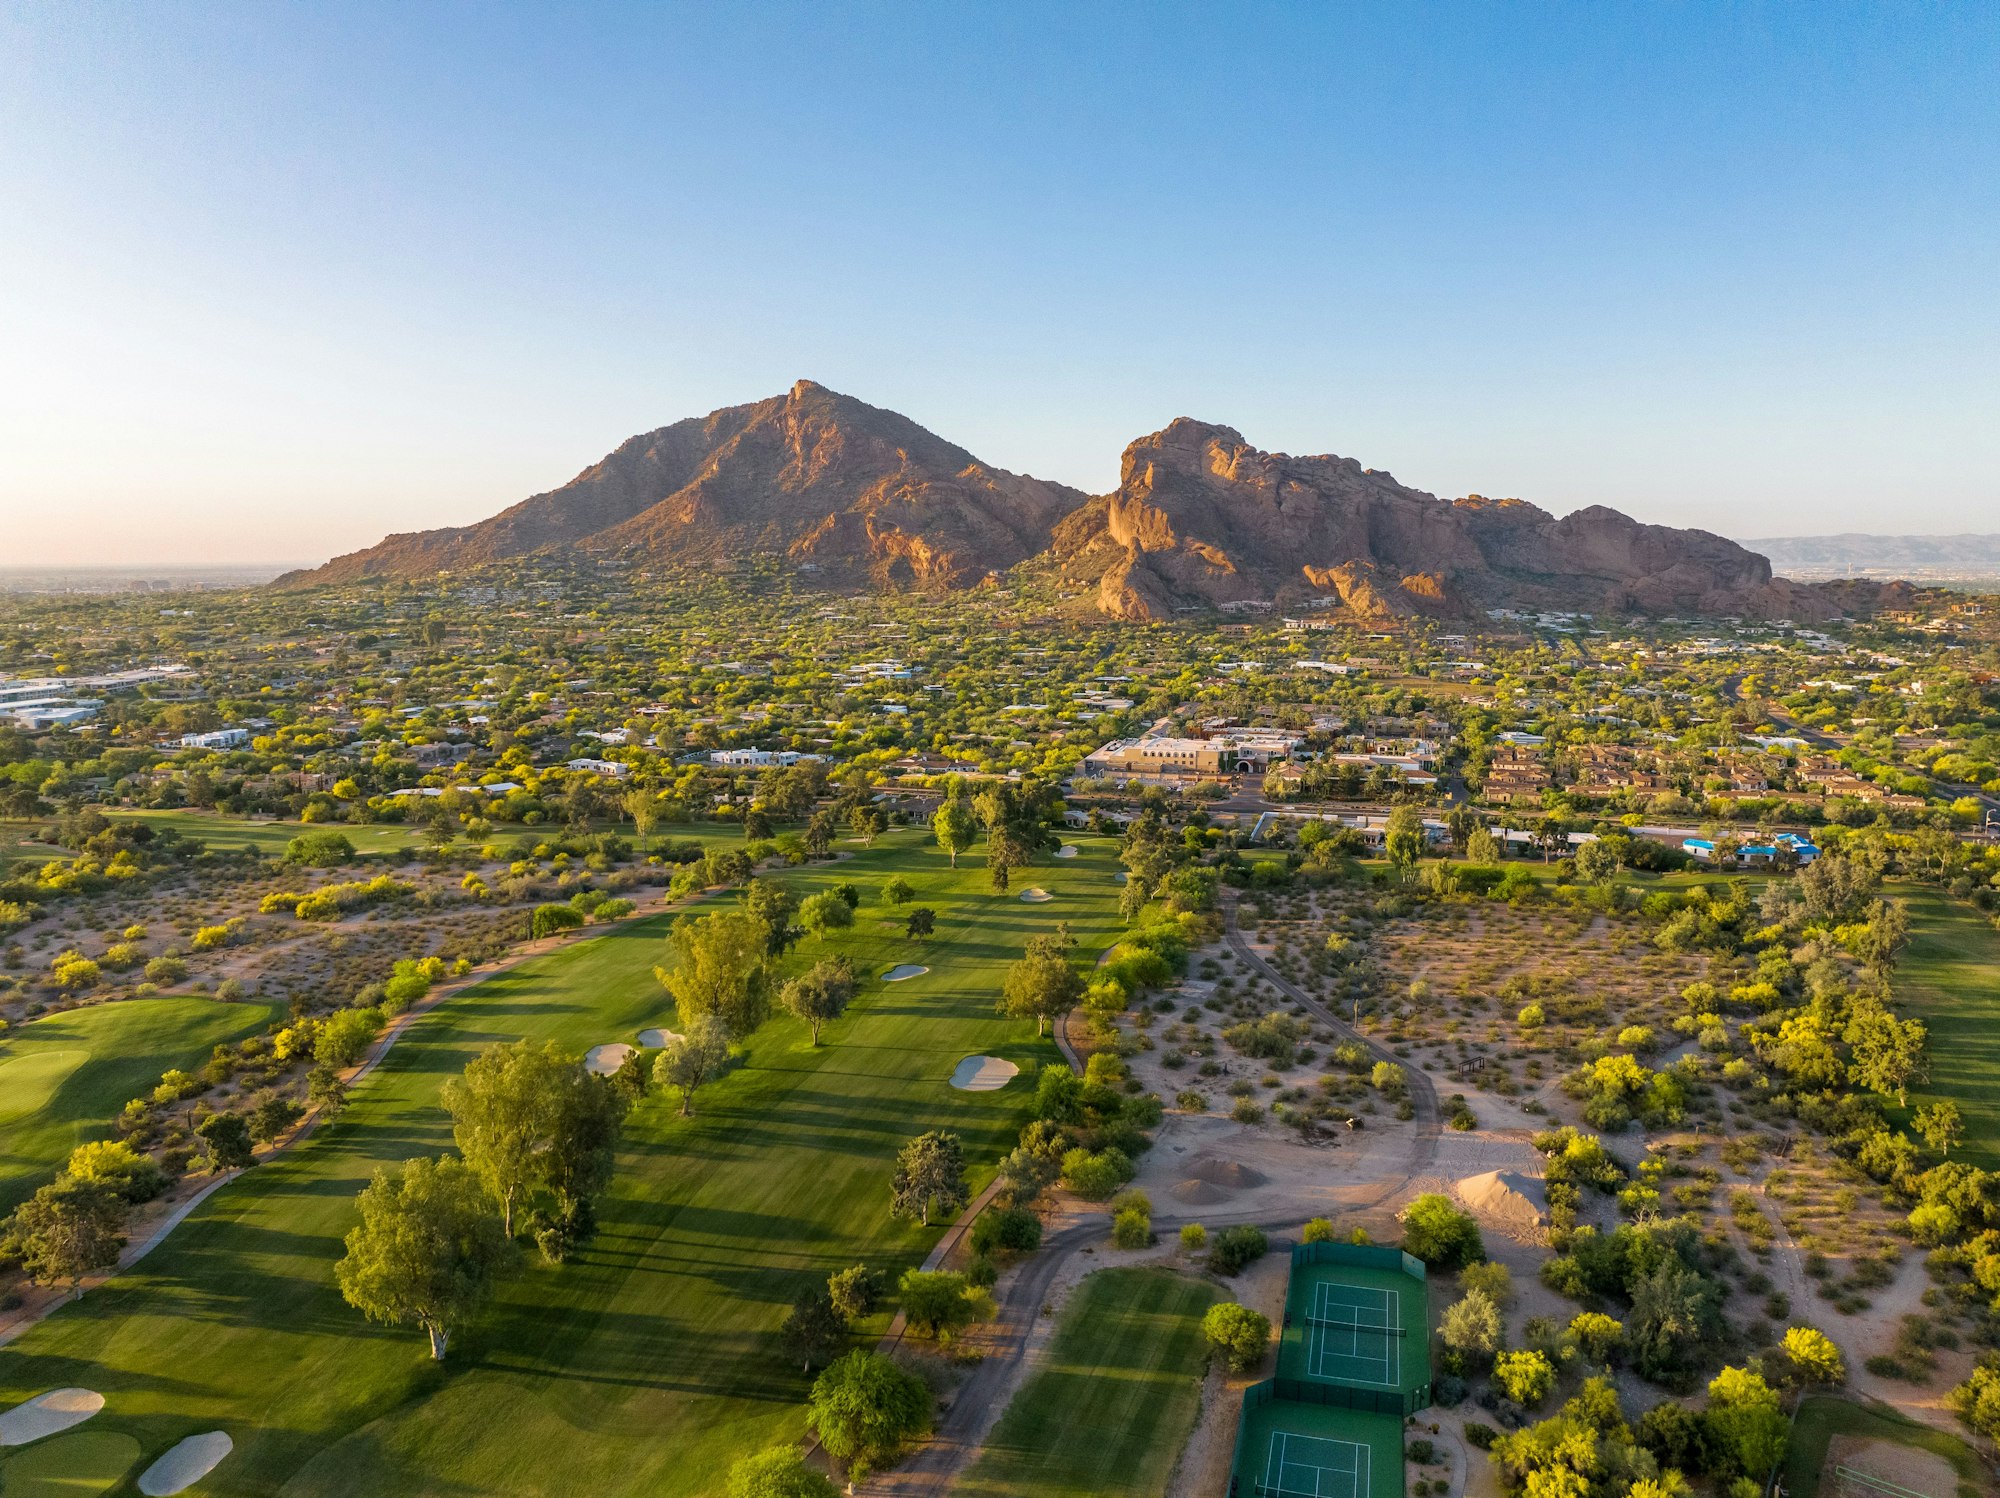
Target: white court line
[[1321, 1347]]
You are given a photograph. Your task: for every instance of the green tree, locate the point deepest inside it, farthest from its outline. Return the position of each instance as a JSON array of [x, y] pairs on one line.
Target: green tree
[[821, 993], [1042, 985], [1813, 1357], [643, 807], [1471, 1327], [780, 1472], [1596, 862], [954, 827], [721, 970], [819, 834], [1940, 1125], [1597, 1334], [853, 1290], [898, 891], [921, 922], [825, 912], [1242, 1336], [941, 1304], [71, 1228], [1439, 1234], [1887, 1053], [427, 1249], [1481, 846], [1526, 1377], [771, 905], [504, 1116], [228, 1138], [1403, 840], [929, 1177], [816, 1331], [864, 1409], [1746, 1425], [549, 920], [693, 1059]]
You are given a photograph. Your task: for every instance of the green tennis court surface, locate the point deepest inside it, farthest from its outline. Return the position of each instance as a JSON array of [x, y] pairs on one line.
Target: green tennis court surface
[[1356, 1326], [1302, 1451]]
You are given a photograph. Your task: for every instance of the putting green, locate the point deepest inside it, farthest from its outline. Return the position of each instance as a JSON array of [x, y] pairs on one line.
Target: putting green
[[76, 1465], [28, 1082], [650, 1361], [64, 1077]]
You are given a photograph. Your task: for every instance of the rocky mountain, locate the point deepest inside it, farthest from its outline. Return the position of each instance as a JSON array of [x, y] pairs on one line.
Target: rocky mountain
[[1200, 519], [1960, 557], [825, 479]]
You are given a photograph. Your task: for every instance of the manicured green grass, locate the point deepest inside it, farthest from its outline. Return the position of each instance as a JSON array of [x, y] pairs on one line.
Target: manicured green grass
[[1823, 1417], [76, 1465], [1112, 1408], [1949, 977], [649, 1363], [64, 1077]]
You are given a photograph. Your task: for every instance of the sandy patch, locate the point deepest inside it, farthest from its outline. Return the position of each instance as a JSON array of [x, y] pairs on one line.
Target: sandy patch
[[604, 1060], [1219, 1170], [1194, 1193], [1067, 850], [1907, 1466], [1036, 896], [1508, 1198], [657, 1040], [185, 1464], [903, 971], [983, 1074], [48, 1413]]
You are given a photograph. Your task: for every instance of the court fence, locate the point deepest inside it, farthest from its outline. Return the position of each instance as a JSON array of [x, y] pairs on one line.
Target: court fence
[[1292, 1390], [1360, 1256]]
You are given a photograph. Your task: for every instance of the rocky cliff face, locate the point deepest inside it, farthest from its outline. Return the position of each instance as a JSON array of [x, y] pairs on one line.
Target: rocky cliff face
[[1200, 518], [812, 474]]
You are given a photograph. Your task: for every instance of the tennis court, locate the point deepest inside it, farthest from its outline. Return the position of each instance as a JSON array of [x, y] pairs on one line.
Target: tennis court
[[1354, 1335], [1303, 1451]]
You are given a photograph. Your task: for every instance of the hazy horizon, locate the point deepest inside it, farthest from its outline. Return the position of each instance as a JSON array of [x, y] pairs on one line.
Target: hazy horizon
[[282, 281]]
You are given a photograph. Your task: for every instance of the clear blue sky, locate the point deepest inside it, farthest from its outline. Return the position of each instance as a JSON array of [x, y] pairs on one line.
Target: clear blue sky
[[278, 278]]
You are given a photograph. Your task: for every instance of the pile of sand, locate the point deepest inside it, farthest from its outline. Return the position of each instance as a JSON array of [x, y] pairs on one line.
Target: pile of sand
[[983, 1074], [902, 971], [1067, 850], [1233, 1175], [186, 1464], [657, 1040], [1507, 1197], [1192, 1193], [604, 1060], [48, 1413], [1036, 896]]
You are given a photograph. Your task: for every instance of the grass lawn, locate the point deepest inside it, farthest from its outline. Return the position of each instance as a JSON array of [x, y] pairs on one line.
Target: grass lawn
[[1823, 1417], [1949, 977], [64, 1077], [75, 1465], [648, 1364], [1112, 1408]]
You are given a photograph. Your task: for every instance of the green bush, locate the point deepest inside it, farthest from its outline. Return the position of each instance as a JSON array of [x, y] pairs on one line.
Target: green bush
[[1094, 1175], [1236, 1247], [1242, 1336]]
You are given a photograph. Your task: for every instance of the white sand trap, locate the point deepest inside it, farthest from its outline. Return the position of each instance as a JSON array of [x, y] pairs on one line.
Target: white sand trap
[[604, 1060], [902, 971], [48, 1413], [1067, 850], [1123, 877], [1036, 896], [657, 1040], [983, 1074], [186, 1464], [1507, 1196]]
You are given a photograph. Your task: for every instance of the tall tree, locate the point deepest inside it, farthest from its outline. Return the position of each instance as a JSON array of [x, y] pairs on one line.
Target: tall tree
[[954, 827], [821, 993], [1043, 985], [825, 912], [819, 834], [816, 1331], [504, 1114], [864, 1408], [771, 905], [427, 1250], [930, 1176], [643, 807], [1403, 840], [1940, 1125], [721, 970], [1887, 1054], [693, 1059], [70, 1228]]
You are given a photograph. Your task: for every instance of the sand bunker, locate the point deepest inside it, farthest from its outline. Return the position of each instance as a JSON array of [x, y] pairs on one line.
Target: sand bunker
[[902, 971], [604, 1060], [983, 1074], [1507, 1196], [1067, 850], [186, 1464], [1232, 1175], [1036, 896], [657, 1040], [1199, 1193], [48, 1413]]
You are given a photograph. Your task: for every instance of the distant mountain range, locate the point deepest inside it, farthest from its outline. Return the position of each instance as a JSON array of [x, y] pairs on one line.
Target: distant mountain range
[[1200, 519], [1855, 555]]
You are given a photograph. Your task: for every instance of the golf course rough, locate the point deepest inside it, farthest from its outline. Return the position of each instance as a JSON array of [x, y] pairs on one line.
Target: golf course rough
[[668, 1322]]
